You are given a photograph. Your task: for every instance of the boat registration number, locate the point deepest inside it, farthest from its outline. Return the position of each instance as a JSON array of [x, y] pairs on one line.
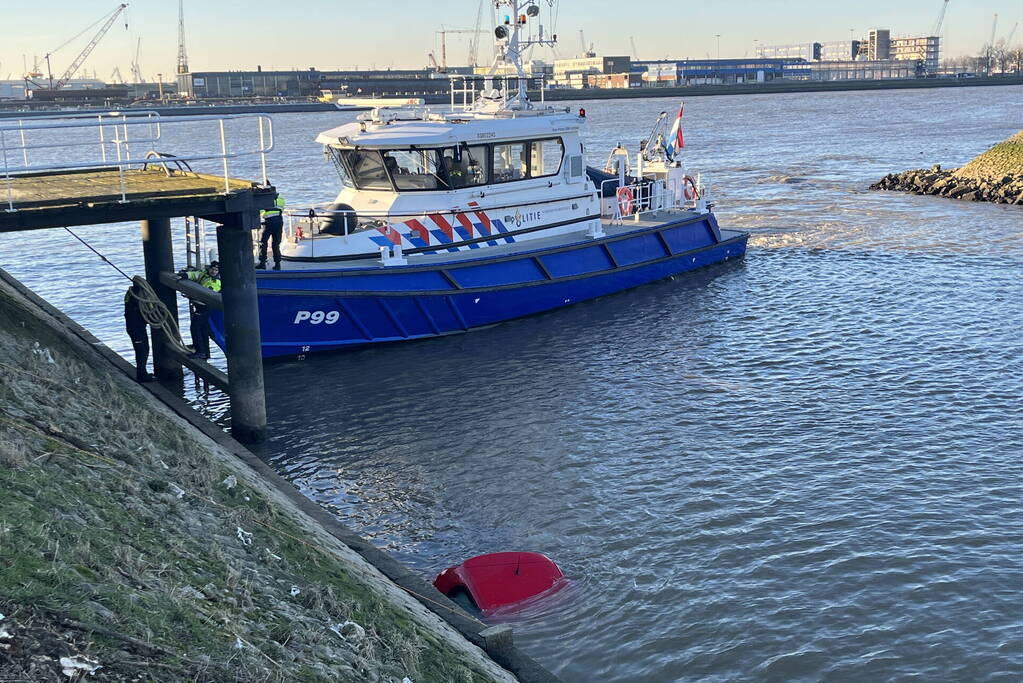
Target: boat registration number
[[317, 317]]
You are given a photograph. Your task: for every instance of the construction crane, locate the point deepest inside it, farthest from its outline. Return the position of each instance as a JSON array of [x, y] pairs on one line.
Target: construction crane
[[86, 51], [136, 70], [444, 46], [582, 41], [116, 76], [182, 55], [1008, 38], [941, 19]]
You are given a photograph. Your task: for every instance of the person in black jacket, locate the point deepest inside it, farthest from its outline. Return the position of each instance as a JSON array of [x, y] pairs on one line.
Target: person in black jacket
[[135, 324]]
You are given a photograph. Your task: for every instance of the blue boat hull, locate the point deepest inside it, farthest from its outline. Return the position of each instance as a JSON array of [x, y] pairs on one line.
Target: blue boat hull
[[324, 310]]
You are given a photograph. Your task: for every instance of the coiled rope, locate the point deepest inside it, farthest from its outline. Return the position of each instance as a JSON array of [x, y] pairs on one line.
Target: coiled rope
[[155, 312]]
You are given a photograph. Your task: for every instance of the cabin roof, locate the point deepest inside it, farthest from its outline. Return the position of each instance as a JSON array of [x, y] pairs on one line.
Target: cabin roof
[[403, 133]]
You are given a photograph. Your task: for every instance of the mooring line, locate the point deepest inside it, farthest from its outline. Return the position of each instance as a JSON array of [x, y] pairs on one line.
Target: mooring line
[[108, 261]]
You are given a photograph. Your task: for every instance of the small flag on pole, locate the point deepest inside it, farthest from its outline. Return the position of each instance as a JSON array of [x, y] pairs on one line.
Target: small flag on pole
[[675, 142]]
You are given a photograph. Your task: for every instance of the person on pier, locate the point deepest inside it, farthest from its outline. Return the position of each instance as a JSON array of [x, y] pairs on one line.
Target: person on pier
[[208, 277], [273, 228], [135, 324]]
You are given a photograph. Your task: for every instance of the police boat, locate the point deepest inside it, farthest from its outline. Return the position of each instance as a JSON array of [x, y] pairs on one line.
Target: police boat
[[458, 219]]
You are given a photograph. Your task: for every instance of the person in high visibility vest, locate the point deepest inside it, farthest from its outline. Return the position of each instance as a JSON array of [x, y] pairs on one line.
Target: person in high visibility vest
[[209, 277], [273, 227]]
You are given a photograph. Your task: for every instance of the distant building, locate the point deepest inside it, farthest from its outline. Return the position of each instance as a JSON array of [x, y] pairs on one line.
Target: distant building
[[308, 83], [924, 49], [879, 44], [806, 51], [626, 80], [715, 71], [853, 70], [839, 50], [572, 73]]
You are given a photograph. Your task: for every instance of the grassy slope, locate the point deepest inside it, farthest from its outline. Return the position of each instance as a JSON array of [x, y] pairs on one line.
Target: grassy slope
[[1005, 158], [119, 539]]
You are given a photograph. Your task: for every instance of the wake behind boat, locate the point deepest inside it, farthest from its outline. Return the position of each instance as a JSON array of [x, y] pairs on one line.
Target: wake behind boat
[[449, 221]]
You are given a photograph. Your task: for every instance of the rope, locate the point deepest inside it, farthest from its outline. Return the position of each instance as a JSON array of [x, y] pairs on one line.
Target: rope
[[105, 259], [155, 312]]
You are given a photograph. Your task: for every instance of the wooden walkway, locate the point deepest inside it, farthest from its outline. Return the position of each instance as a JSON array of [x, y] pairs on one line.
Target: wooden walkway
[[66, 198]]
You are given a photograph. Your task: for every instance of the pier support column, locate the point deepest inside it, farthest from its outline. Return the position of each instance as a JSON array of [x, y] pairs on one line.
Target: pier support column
[[158, 250], [241, 326]]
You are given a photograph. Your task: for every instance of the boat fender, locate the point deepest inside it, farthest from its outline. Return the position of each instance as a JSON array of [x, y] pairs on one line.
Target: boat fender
[[625, 201], [336, 223], [689, 188]]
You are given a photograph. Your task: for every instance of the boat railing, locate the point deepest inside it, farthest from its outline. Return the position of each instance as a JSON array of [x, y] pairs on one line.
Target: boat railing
[[647, 196], [82, 142]]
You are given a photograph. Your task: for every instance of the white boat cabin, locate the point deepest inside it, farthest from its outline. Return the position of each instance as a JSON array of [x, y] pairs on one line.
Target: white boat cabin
[[428, 183]]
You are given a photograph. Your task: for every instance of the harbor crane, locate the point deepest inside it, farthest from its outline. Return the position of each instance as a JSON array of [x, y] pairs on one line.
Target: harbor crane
[[86, 51], [444, 46], [635, 53], [182, 55], [941, 19]]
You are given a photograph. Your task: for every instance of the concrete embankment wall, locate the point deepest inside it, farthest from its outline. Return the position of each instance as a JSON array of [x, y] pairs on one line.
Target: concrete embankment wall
[[136, 535]]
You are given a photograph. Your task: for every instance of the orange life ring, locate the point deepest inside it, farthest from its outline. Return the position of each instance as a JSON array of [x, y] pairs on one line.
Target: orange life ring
[[689, 188], [625, 201]]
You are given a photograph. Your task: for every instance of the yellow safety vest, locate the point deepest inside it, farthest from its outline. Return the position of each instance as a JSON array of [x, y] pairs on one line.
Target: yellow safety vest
[[279, 202]]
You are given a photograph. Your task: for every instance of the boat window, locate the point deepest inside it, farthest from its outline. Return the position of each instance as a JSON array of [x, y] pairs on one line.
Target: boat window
[[510, 162], [545, 157], [366, 168], [466, 166], [417, 169]]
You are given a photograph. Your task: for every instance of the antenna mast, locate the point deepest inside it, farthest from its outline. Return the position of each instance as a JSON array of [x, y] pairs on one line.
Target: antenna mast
[[513, 44], [182, 55]]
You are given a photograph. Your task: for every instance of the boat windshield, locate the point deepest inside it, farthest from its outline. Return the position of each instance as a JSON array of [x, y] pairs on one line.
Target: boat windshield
[[404, 170], [448, 168]]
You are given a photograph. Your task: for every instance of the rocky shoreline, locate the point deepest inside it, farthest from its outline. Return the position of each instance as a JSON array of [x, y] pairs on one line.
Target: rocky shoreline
[[993, 176], [1005, 190]]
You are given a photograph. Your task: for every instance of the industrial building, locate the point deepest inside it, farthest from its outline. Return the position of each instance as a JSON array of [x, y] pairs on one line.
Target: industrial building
[[715, 71], [853, 70], [839, 50], [806, 51], [878, 46], [309, 83], [573, 73]]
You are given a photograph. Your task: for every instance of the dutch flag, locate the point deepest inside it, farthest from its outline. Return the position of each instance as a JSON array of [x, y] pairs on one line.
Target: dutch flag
[[675, 143]]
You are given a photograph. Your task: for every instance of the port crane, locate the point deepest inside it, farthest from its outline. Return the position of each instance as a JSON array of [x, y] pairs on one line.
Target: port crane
[[444, 47], [86, 51], [941, 19]]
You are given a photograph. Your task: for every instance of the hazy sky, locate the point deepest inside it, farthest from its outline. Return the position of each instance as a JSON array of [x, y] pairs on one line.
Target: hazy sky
[[343, 34]]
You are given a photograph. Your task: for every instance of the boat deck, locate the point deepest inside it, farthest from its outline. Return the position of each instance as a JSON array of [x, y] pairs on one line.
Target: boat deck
[[611, 228]]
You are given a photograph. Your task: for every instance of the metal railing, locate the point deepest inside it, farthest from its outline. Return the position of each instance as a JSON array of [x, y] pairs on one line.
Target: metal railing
[[633, 200], [122, 143]]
